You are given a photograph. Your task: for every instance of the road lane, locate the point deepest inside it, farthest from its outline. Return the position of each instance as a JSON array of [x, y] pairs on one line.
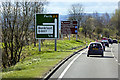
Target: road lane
[[63, 67], [93, 67], [119, 61], [119, 53], [90, 67], [114, 49]]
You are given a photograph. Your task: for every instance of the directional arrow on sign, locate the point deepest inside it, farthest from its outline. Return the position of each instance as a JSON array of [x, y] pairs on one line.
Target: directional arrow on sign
[[55, 24]]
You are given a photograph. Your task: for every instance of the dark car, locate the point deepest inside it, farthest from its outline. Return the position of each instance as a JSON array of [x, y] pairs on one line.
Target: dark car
[[103, 45], [110, 41], [115, 41], [105, 42], [95, 48]]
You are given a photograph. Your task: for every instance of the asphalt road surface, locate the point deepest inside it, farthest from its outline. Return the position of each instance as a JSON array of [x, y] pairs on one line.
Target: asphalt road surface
[[95, 67]]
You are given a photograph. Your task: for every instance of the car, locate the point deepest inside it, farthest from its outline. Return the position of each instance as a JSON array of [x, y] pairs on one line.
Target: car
[[110, 41], [105, 42], [95, 48], [103, 45], [104, 38], [115, 41]]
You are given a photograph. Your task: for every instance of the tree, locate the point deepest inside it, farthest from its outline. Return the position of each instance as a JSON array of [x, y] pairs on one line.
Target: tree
[[90, 23], [106, 20], [84, 30], [16, 22], [98, 24], [106, 33], [38, 8], [115, 22], [76, 13]]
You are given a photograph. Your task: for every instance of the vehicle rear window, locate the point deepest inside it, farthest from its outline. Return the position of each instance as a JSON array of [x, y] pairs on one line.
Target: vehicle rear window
[[95, 45], [104, 40]]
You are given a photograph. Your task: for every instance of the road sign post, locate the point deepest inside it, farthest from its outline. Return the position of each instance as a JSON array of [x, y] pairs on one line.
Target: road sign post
[[39, 45], [47, 27], [55, 44], [62, 36], [69, 37], [76, 37]]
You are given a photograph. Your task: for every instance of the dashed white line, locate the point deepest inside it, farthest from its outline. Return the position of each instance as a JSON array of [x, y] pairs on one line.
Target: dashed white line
[[65, 70]]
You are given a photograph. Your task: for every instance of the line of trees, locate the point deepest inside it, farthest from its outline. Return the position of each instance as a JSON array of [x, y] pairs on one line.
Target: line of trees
[[16, 19], [95, 25], [115, 22]]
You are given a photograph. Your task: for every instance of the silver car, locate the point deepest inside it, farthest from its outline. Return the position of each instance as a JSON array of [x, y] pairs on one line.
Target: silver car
[[95, 48]]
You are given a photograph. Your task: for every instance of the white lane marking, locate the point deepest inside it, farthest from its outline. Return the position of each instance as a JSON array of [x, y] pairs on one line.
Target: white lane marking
[[112, 51], [65, 70], [119, 64], [114, 55]]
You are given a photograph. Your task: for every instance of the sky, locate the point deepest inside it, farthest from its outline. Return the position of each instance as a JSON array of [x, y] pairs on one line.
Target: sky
[[90, 6]]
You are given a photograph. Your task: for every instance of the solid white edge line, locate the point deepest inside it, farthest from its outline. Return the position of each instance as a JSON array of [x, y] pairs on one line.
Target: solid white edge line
[[65, 70], [112, 52], [114, 56], [119, 64]]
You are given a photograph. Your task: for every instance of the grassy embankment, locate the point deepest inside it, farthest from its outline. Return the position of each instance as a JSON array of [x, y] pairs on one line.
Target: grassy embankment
[[36, 63]]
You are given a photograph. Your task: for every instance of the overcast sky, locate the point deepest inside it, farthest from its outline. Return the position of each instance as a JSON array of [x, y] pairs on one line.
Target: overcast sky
[[90, 6]]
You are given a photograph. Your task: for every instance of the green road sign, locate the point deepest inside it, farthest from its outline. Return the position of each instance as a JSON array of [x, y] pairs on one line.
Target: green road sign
[[47, 26]]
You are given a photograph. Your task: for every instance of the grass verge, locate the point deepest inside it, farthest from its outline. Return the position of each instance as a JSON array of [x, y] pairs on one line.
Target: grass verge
[[35, 64]]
